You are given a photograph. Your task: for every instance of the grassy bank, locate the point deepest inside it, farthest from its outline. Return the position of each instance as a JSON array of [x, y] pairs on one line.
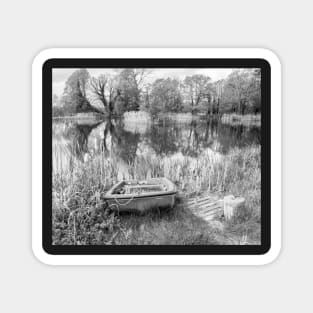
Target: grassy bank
[[80, 215]]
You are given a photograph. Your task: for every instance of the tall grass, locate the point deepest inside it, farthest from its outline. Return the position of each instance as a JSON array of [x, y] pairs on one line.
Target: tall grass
[[80, 215]]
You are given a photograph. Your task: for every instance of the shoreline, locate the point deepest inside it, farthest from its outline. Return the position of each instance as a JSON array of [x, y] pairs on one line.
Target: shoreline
[[225, 118]]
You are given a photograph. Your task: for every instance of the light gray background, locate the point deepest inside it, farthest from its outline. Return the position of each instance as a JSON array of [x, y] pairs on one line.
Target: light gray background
[[29, 26]]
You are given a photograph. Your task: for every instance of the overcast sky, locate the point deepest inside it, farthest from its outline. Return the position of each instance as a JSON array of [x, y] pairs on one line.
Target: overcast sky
[[60, 75]]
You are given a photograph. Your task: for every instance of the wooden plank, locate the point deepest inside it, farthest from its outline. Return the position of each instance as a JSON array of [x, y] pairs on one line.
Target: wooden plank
[[198, 200], [202, 201], [208, 205], [204, 211], [207, 216], [210, 210], [204, 207]]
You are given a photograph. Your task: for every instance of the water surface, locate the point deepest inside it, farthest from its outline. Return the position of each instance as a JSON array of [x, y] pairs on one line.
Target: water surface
[[82, 140]]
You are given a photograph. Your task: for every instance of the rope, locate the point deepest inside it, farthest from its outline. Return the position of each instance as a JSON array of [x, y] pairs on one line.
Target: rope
[[113, 205], [127, 202]]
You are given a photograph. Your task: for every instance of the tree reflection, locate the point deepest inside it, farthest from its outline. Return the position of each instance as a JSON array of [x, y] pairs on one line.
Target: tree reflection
[[163, 138], [110, 138], [201, 136], [107, 136], [119, 141], [77, 135]]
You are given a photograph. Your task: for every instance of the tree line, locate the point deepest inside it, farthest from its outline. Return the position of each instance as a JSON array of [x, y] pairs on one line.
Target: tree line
[[132, 90]]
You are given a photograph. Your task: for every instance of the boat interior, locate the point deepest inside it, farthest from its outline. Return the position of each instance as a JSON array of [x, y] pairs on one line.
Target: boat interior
[[140, 187]]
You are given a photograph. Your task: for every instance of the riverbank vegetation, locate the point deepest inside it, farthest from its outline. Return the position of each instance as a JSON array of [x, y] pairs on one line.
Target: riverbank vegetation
[[246, 120], [80, 215]]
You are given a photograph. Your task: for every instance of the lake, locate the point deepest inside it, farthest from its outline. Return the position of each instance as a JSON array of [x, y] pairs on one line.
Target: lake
[[79, 141]]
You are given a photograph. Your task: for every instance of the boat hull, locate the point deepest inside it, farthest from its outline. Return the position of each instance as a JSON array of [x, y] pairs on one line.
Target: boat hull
[[142, 202]]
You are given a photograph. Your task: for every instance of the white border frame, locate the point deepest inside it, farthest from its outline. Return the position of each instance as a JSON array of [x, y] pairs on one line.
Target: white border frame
[[270, 256]]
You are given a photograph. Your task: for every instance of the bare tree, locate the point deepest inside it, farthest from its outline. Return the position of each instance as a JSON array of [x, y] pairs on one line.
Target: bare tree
[[139, 75], [74, 95], [98, 86], [104, 90]]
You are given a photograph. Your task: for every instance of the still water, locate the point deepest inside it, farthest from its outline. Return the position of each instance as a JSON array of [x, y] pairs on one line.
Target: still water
[[82, 140]]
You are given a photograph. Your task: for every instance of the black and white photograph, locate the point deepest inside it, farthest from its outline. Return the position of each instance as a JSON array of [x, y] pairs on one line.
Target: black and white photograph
[[156, 156]]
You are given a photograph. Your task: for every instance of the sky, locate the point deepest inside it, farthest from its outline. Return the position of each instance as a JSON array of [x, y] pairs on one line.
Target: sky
[[60, 75]]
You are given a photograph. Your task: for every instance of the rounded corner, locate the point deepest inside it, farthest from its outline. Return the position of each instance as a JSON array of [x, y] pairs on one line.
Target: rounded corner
[[42, 255], [42, 57], [270, 57], [271, 255]]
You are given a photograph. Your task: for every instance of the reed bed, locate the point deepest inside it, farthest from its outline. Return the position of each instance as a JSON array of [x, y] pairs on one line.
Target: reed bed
[[80, 215], [137, 121], [245, 120], [179, 117], [137, 116]]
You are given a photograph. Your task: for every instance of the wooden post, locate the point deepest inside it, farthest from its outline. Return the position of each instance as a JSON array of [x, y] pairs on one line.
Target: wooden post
[[231, 206]]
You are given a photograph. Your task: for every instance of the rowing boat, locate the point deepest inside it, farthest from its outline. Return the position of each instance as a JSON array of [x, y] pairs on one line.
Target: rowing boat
[[134, 195]]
